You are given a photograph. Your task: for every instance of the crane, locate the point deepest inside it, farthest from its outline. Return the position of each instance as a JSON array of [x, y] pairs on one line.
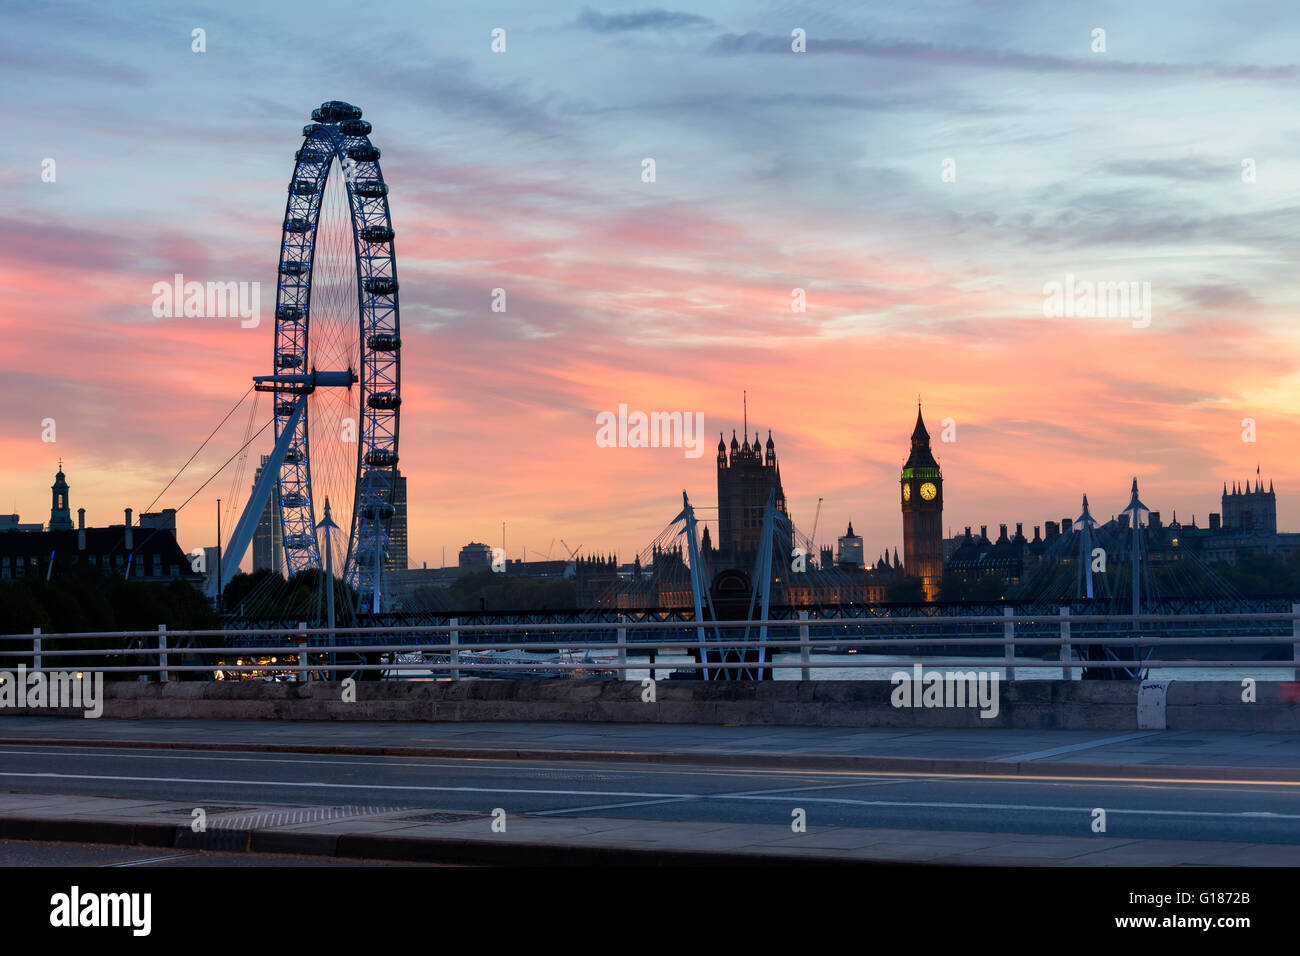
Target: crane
[[812, 538], [572, 551]]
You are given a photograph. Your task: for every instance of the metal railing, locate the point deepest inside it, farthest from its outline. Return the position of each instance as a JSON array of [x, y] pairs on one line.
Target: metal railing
[[317, 652]]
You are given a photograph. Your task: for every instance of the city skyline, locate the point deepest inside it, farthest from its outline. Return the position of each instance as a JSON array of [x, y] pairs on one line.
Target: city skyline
[[1207, 520], [676, 295]]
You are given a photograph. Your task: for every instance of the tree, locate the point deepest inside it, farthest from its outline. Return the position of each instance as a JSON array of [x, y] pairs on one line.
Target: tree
[[265, 593], [83, 599], [498, 592], [907, 590]]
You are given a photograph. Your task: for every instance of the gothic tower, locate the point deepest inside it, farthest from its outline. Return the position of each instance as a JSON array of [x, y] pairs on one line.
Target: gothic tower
[[60, 512], [921, 485], [1249, 509], [745, 478]]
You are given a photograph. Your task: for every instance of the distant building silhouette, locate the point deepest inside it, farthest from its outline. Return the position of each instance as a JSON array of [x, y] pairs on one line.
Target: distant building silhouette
[[147, 552], [397, 559], [1247, 527], [1250, 510], [14, 523], [976, 557], [850, 549], [60, 513], [268, 536], [475, 556]]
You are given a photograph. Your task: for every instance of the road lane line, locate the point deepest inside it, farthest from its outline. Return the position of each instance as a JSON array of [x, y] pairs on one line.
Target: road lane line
[[471, 763], [1015, 806], [343, 786], [827, 786], [717, 796], [156, 859], [1075, 748], [608, 806]]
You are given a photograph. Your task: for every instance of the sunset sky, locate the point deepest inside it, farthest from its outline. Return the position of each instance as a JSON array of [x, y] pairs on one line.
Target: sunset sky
[[775, 170]]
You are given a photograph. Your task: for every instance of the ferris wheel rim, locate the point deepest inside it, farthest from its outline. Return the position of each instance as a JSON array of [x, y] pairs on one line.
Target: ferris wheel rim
[[337, 143]]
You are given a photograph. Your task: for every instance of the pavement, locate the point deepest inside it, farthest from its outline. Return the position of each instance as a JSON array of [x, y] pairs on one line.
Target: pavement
[[466, 838], [110, 856], [1239, 786]]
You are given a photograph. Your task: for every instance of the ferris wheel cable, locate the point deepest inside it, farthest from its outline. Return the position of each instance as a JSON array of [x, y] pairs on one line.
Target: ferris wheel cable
[[209, 480], [237, 478], [147, 538], [223, 467], [199, 449], [266, 597]]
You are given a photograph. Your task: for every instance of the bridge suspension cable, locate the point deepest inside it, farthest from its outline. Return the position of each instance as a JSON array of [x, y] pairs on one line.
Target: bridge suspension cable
[[199, 449]]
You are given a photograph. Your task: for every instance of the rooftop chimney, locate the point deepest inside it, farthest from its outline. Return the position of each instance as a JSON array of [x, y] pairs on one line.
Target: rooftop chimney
[[130, 535], [81, 529]]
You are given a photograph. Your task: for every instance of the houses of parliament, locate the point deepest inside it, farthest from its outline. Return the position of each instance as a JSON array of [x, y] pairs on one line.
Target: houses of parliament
[[749, 474]]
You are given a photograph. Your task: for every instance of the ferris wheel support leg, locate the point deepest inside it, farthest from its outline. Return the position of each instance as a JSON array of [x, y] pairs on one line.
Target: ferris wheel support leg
[[243, 534]]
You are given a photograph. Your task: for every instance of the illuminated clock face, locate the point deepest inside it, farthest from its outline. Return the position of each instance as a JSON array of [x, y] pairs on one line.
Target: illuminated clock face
[[907, 492], [928, 491]]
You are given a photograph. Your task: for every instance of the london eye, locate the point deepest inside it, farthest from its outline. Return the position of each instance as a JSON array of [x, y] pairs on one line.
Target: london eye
[[336, 365]]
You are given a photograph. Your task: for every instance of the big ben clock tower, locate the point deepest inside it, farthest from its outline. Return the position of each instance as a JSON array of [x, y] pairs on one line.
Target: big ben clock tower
[[921, 488]]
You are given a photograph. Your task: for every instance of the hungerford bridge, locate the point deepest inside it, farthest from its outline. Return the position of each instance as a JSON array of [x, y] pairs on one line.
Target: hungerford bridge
[[1110, 624]]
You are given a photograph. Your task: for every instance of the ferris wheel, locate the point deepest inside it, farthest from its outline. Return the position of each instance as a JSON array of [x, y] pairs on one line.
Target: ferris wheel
[[336, 356]]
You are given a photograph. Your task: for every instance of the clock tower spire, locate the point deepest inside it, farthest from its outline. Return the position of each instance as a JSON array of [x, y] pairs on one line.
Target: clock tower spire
[[60, 512], [921, 488]]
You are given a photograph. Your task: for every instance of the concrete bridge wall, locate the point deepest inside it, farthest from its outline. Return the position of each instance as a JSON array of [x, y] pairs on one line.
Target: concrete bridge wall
[[1034, 705]]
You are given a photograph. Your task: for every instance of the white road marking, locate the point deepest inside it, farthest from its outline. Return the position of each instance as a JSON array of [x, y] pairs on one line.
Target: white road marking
[[1085, 745], [156, 859], [666, 797], [474, 763], [828, 786], [1016, 806], [607, 806], [345, 786], [715, 796]]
